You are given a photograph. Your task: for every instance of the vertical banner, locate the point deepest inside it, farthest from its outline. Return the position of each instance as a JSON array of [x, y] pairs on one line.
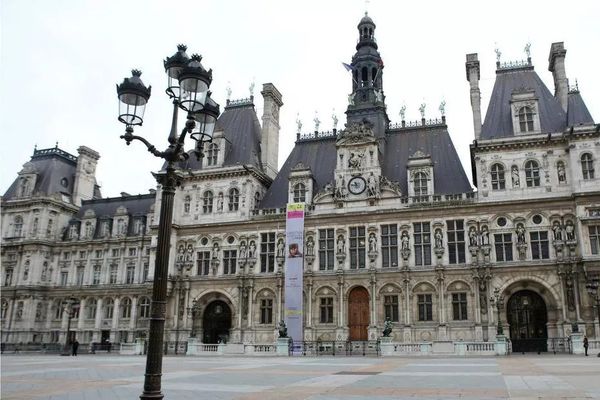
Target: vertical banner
[[294, 270]]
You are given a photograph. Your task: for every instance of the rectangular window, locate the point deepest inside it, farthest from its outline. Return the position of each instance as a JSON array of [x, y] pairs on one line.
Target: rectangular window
[[389, 246], [326, 250], [539, 245], [326, 310], [425, 307], [146, 272], [203, 262], [114, 272], [132, 251], [82, 254], [503, 246], [80, 273], [130, 274], [64, 278], [115, 252], [266, 311], [229, 261], [67, 255], [390, 305], [98, 253], [456, 241], [96, 276], [267, 252], [594, 238], [357, 247], [422, 243], [459, 306]]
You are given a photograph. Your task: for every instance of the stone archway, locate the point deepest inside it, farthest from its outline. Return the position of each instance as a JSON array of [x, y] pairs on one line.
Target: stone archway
[[358, 313], [527, 316], [216, 322]]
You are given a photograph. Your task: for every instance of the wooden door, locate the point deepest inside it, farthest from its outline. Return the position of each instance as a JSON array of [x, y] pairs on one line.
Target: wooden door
[[358, 313]]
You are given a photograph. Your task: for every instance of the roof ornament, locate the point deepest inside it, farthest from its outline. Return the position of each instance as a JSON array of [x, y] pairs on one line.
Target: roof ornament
[[403, 112], [422, 109], [317, 121], [228, 90], [528, 50], [335, 119], [298, 122], [443, 108], [498, 54], [56, 146], [252, 88]]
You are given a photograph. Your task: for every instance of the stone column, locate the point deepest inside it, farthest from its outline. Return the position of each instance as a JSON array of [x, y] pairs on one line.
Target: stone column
[[133, 316], [340, 304], [250, 306], [373, 301], [407, 301], [563, 299], [116, 311], [279, 298], [81, 318], [309, 285], [98, 322]]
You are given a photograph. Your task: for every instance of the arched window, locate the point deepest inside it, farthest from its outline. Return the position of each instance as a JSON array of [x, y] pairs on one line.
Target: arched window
[[126, 308], [207, 206], [365, 75], [212, 154], [587, 166], [186, 204], [18, 226], [420, 184], [90, 308], [109, 307], [144, 307], [525, 119], [532, 174], [234, 199], [498, 182], [299, 193]]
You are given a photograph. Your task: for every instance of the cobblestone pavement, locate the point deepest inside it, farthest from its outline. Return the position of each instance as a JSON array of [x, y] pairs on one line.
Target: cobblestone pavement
[[92, 377]]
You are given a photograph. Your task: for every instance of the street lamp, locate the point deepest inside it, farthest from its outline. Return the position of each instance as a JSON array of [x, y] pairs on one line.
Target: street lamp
[[188, 83], [592, 287], [498, 300], [70, 306]]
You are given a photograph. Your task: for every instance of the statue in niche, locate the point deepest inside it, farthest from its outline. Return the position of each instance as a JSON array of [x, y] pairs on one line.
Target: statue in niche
[[405, 241], [562, 175], [372, 186], [280, 248], [520, 234], [340, 187], [570, 230], [557, 230], [341, 245], [181, 253], [439, 238], [485, 236], [372, 243], [220, 202], [472, 236], [190, 253], [514, 174], [483, 296], [310, 246], [570, 293], [242, 250], [215, 251], [252, 250]]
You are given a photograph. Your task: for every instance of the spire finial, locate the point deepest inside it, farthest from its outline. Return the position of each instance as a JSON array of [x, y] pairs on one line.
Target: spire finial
[[498, 54], [56, 146], [252, 88]]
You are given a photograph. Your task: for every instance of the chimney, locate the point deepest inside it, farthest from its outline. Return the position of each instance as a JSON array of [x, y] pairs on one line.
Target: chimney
[[556, 65], [85, 174], [269, 144], [472, 66]]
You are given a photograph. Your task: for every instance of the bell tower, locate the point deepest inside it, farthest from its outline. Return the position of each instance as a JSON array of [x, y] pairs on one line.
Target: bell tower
[[367, 100]]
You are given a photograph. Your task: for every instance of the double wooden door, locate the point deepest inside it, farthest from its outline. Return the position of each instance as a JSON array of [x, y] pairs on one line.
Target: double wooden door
[[358, 313]]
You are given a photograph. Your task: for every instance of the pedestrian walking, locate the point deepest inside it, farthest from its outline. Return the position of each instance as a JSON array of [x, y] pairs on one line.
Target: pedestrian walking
[[75, 346], [585, 345]]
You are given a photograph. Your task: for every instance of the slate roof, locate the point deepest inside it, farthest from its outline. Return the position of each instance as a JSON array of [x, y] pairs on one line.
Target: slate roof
[[320, 156], [50, 166], [242, 130], [577, 112], [136, 205]]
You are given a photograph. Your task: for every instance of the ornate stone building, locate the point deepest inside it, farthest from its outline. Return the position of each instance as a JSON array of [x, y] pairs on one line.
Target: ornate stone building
[[393, 228]]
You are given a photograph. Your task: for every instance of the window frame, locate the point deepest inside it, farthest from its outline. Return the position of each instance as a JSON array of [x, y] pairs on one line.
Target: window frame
[[389, 246], [540, 245], [587, 166], [425, 307], [498, 177], [460, 310], [326, 310], [422, 243], [326, 249], [358, 247], [455, 231], [503, 248], [391, 307], [532, 173]]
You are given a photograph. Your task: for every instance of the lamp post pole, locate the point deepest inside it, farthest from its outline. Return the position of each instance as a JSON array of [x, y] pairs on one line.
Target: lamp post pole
[[498, 300], [188, 84], [70, 303]]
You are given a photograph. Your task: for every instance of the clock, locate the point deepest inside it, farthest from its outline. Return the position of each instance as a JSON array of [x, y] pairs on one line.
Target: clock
[[357, 185]]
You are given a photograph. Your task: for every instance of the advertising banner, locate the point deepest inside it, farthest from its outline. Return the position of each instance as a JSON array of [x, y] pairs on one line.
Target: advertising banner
[[294, 268]]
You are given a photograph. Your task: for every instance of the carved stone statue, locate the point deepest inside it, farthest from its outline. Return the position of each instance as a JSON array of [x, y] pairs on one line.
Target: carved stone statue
[[443, 108], [514, 174], [335, 119], [557, 230], [215, 251], [242, 250], [562, 175], [422, 110], [341, 245], [570, 230], [485, 236], [317, 122], [472, 236], [387, 327], [520, 234], [280, 248], [402, 112], [298, 123], [372, 243], [220, 202], [355, 160], [372, 186], [252, 251], [310, 246], [405, 241], [439, 239], [282, 329]]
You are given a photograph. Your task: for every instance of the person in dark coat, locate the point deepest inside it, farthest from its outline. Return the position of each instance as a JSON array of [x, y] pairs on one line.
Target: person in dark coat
[[75, 346], [585, 345]]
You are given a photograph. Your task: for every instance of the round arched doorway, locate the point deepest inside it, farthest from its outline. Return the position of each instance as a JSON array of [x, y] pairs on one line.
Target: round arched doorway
[[216, 322], [527, 316], [358, 313]]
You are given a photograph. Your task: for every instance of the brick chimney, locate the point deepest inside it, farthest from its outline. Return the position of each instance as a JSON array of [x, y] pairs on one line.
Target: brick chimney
[[269, 144], [472, 66], [556, 65]]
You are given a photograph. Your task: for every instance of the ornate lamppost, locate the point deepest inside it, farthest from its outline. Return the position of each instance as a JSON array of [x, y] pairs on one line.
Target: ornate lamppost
[[593, 289], [70, 306], [188, 83], [498, 300]]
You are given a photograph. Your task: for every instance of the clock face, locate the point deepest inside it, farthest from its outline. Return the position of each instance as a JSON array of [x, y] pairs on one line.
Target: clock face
[[357, 185]]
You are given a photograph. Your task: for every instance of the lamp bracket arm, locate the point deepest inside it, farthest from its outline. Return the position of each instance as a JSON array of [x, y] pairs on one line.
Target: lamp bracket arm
[[129, 137]]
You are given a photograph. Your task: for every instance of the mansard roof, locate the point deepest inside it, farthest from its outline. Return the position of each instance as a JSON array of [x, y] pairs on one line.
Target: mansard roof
[[319, 154], [50, 166], [242, 131], [498, 119], [577, 112], [140, 204]]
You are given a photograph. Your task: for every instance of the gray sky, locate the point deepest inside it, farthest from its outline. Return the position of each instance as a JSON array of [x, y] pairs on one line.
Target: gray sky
[[60, 61]]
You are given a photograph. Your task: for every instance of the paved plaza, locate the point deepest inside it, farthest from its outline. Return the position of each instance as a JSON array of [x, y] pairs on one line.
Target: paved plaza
[[262, 378]]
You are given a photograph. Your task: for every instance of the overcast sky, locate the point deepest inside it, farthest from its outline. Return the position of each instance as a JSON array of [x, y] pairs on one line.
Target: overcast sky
[[60, 61]]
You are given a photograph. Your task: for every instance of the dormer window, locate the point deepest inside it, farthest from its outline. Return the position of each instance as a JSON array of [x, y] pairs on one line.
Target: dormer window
[[18, 226], [234, 199], [498, 182], [587, 166], [420, 184], [207, 199], [532, 173], [525, 119], [299, 193], [212, 154]]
